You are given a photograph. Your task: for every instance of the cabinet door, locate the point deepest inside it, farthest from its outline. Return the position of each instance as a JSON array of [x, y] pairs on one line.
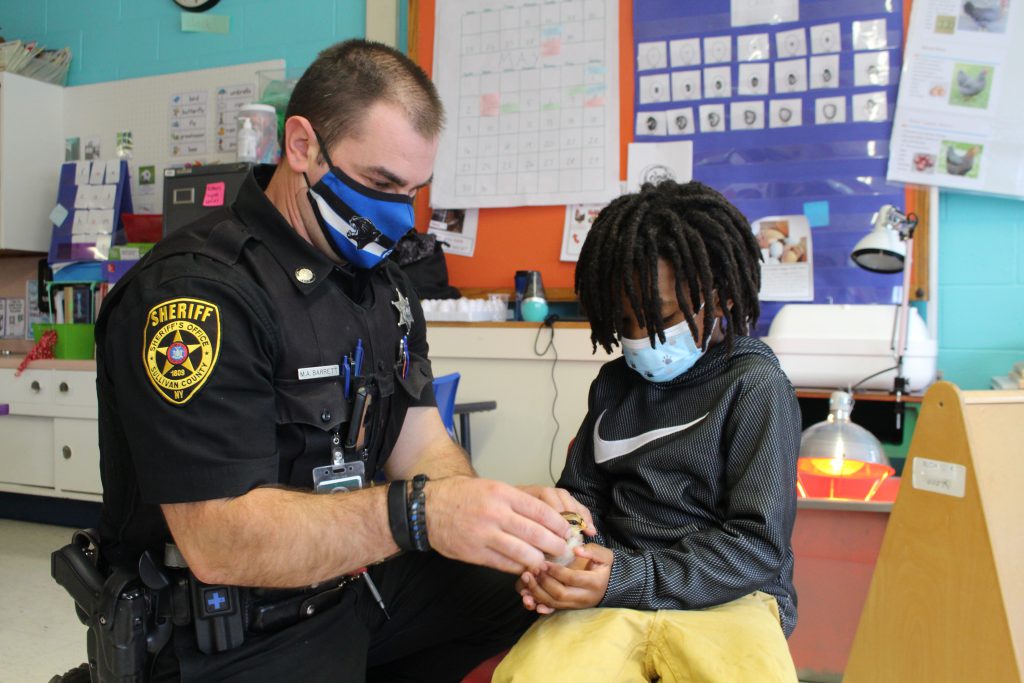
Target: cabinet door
[[34, 387], [26, 447], [31, 152], [74, 388], [77, 455]]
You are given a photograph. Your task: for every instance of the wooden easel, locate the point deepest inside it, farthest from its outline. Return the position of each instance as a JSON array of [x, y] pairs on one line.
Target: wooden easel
[[947, 597]]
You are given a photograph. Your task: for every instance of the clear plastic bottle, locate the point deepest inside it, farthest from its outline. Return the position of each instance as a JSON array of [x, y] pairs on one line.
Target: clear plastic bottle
[[248, 139]]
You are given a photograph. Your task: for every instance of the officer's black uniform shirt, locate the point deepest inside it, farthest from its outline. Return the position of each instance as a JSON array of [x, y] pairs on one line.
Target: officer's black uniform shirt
[[200, 350]]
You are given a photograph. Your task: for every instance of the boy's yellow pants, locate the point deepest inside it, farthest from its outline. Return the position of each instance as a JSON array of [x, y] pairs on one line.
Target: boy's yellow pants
[[736, 642]]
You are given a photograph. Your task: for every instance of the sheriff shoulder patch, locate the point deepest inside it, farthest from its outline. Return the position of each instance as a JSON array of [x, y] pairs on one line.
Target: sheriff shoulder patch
[[180, 346]]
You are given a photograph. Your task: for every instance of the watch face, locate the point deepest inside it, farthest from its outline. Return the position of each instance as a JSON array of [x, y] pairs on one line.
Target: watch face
[[196, 5]]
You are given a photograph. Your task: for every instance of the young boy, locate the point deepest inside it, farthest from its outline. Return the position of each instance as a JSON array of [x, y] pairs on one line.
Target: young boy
[[686, 460]]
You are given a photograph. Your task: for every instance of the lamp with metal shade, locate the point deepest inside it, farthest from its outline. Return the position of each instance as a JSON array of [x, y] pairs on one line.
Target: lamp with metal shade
[[888, 248], [840, 459], [884, 249]]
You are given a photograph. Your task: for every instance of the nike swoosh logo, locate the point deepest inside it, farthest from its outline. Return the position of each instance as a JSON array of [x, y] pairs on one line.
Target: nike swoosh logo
[[609, 450]]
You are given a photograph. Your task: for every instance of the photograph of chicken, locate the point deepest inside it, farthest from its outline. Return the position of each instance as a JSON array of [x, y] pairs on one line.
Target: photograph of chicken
[[960, 158], [983, 15], [971, 86]]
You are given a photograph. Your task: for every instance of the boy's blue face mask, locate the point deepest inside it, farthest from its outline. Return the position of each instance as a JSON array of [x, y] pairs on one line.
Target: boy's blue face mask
[[666, 360], [361, 224]]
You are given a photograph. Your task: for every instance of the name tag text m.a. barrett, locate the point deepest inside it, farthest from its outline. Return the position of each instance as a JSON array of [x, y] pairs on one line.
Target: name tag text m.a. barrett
[[318, 372]]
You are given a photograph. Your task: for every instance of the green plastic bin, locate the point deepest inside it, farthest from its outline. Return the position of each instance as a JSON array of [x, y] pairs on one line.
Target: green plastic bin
[[74, 340]]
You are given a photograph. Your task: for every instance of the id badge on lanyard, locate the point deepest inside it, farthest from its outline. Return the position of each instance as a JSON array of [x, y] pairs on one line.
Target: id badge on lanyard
[[346, 475]]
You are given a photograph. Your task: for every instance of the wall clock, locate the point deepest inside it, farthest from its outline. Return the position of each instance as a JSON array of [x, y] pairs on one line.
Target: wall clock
[[195, 5]]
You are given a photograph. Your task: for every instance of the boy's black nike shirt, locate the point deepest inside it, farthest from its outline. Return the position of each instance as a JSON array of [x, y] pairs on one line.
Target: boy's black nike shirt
[[692, 482]]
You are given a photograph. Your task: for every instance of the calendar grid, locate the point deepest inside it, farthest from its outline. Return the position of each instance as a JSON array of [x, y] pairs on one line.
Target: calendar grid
[[535, 101]]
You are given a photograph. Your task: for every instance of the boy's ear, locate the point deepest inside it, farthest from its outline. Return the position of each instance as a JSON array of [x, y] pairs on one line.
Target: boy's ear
[[719, 311]]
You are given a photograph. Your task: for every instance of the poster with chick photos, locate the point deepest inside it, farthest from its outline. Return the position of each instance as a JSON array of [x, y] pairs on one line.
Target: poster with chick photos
[[957, 121], [787, 270]]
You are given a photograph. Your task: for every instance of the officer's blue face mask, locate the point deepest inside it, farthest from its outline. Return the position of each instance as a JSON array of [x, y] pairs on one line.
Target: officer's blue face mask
[[666, 360], [361, 224]]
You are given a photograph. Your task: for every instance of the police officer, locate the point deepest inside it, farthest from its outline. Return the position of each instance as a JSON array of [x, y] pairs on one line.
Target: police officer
[[270, 349]]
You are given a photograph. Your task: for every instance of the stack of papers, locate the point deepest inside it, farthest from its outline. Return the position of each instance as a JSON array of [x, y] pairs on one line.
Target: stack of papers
[[35, 61], [1015, 380]]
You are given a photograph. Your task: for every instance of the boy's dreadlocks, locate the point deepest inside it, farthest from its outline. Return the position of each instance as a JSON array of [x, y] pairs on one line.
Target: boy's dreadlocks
[[705, 239]]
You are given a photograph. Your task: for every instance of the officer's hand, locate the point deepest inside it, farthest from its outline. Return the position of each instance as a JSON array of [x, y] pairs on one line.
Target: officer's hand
[[491, 523], [562, 500]]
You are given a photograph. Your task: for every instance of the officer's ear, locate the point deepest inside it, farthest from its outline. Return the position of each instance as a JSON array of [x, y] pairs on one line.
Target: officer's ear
[[301, 149]]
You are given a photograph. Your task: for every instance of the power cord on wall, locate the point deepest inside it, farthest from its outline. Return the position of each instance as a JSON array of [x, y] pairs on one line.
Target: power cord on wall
[[549, 323], [892, 341], [873, 375]]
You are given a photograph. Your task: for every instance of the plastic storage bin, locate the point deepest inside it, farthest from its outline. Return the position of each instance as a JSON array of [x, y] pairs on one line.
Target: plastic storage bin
[[74, 340]]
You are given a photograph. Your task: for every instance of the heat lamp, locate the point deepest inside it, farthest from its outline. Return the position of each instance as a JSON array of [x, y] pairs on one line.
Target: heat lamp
[[839, 459]]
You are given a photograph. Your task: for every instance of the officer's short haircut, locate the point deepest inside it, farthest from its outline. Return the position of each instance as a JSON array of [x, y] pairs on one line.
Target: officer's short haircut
[[345, 80]]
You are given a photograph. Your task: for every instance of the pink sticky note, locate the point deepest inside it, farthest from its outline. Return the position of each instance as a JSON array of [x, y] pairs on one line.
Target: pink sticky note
[[490, 104], [214, 195]]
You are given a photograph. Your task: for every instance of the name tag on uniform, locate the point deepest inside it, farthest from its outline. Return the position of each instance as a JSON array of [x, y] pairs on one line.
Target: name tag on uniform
[[318, 373]]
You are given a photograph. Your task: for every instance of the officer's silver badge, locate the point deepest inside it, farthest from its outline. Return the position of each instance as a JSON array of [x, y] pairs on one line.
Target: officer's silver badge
[[404, 311]]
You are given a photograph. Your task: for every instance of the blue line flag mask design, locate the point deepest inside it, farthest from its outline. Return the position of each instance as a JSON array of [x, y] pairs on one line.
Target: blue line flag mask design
[[361, 224]]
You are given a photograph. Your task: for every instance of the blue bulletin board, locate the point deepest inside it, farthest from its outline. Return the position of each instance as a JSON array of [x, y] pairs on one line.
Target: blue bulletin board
[[788, 115]]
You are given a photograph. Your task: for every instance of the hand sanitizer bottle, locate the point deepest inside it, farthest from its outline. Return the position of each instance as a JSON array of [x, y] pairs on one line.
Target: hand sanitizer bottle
[[248, 138]]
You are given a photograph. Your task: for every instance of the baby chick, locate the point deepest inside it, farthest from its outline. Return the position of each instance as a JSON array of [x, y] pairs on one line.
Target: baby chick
[[576, 527]]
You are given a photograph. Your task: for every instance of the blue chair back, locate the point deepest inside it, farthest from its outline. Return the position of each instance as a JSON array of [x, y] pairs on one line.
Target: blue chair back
[[444, 391]]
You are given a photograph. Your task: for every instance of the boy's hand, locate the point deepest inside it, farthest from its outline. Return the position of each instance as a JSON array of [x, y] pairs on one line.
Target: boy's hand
[[578, 586]]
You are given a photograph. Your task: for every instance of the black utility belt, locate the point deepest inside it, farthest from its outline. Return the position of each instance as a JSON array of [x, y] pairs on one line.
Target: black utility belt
[[273, 610], [222, 615], [131, 613]]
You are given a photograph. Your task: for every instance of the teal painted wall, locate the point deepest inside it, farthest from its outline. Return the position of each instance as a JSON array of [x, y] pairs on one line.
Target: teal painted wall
[[116, 39], [981, 287], [981, 246], [403, 27]]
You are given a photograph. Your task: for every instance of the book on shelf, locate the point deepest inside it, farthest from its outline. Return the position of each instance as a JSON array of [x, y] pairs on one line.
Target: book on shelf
[[69, 304], [81, 309], [77, 303]]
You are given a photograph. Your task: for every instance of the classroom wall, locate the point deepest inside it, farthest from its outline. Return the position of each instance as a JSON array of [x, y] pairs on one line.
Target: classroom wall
[[981, 250], [981, 287], [116, 39]]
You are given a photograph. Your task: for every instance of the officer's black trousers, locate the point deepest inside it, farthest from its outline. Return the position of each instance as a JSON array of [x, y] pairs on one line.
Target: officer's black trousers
[[446, 617]]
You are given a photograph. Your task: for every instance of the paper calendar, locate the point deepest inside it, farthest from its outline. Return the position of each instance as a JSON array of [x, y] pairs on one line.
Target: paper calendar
[[530, 89]]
